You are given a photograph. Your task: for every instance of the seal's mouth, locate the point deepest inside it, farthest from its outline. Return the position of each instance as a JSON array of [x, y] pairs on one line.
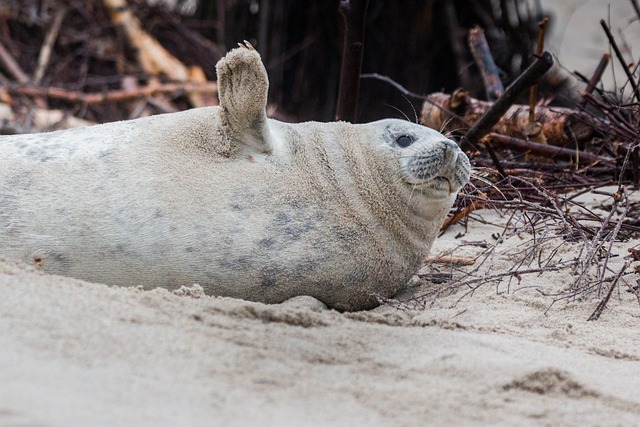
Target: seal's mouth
[[443, 180], [439, 183]]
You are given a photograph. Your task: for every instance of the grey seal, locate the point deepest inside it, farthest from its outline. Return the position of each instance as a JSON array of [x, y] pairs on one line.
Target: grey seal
[[243, 205]]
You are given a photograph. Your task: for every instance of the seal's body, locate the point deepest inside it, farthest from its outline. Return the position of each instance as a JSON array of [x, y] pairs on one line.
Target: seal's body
[[222, 196]]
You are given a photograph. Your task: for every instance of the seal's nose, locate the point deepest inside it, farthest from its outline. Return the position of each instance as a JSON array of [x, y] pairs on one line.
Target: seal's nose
[[451, 150], [450, 145], [456, 167]]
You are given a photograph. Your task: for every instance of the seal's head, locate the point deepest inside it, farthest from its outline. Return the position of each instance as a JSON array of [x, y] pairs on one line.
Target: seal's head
[[430, 163]]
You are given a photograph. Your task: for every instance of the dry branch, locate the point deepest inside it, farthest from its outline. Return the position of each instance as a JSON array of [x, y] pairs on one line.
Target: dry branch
[[11, 66], [485, 63], [114, 95], [464, 212], [530, 76], [597, 76], [45, 51], [623, 63], [450, 260], [603, 303], [554, 222]]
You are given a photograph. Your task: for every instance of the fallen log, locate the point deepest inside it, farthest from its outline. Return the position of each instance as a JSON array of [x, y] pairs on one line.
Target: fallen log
[[560, 126]]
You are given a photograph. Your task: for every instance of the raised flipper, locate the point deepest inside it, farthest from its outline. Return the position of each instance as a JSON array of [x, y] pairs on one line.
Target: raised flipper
[[242, 88]]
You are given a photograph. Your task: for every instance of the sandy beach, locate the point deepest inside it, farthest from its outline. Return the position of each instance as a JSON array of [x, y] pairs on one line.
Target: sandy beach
[[78, 354]]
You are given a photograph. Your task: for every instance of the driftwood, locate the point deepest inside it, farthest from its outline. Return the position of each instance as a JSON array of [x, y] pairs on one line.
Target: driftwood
[[154, 58], [559, 125]]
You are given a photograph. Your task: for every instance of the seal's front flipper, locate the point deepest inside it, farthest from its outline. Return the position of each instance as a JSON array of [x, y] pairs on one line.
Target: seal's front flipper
[[242, 88]]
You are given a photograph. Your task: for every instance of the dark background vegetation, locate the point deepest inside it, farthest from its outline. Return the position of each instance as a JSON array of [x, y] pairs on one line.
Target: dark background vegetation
[[421, 44]]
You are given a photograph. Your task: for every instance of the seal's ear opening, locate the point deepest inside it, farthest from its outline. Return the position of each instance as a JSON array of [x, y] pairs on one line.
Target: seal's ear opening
[[243, 86]]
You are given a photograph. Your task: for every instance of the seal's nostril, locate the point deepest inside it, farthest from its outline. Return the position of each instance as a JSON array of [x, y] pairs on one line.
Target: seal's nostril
[[450, 145]]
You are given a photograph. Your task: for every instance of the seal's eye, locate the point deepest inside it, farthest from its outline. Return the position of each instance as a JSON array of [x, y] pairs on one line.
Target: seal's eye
[[404, 141]]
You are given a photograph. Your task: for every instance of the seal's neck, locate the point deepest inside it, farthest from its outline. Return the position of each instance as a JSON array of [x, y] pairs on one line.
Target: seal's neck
[[403, 211]]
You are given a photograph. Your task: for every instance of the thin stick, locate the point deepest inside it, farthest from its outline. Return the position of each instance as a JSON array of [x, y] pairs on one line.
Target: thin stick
[[354, 13], [12, 66], [496, 160], [465, 212], [585, 80], [450, 260], [47, 46], [597, 75], [602, 305], [533, 92], [112, 96], [485, 63], [618, 53], [407, 92], [497, 276], [393, 83]]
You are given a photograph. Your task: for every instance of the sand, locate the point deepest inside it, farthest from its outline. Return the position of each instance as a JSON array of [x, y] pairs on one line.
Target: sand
[[578, 41], [80, 354]]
